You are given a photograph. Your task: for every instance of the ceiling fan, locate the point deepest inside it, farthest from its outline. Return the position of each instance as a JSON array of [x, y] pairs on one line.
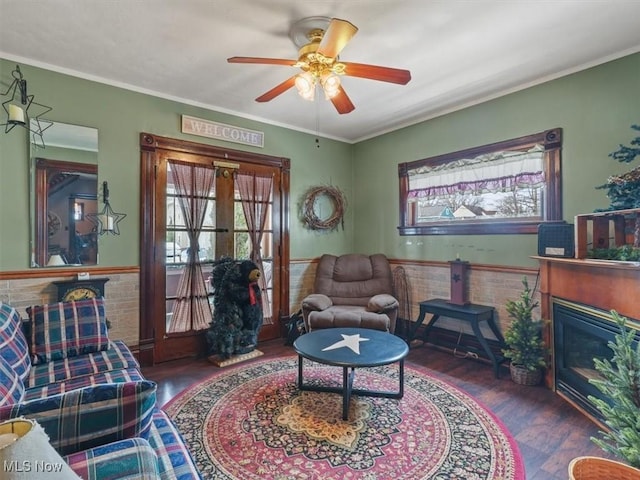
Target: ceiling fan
[[320, 41]]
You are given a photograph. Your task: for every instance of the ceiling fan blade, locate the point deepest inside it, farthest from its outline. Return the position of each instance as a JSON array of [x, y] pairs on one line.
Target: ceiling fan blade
[[374, 72], [342, 102], [338, 34], [277, 90], [264, 61]]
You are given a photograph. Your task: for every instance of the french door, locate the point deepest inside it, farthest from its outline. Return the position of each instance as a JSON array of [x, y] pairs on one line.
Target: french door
[[194, 210]]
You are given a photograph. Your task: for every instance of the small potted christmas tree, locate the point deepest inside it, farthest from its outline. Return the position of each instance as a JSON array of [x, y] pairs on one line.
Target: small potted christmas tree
[[525, 346]]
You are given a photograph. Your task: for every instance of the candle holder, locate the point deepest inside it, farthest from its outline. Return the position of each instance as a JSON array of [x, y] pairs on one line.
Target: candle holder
[[458, 275], [107, 220], [22, 111]]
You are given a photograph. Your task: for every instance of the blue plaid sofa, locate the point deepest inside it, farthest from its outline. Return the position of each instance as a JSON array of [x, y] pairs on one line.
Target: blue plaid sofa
[[87, 392]]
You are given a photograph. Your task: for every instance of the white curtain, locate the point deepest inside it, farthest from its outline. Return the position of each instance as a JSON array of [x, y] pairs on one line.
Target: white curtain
[[495, 172]]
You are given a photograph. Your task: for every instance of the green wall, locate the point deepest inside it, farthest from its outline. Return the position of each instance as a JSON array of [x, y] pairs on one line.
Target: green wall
[[120, 115], [595, 108]]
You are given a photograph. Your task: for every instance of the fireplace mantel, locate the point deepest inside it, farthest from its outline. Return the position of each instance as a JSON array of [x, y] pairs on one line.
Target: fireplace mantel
[[605, 285]]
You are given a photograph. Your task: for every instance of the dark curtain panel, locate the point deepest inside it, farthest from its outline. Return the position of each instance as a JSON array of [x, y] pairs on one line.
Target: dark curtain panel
[[194, 184], [255, 194]]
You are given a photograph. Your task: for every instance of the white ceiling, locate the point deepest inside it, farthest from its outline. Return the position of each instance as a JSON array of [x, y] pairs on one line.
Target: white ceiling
[[459, 52]]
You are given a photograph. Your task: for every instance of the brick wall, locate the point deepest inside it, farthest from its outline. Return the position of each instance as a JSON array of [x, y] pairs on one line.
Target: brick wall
[[121, 298], [489, 285]]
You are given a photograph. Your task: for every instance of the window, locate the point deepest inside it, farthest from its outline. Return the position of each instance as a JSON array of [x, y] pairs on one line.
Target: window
[[505, 187], [78, 211]]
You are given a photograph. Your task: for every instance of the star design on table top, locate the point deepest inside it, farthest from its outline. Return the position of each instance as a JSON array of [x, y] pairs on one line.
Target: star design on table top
[[350, 341]]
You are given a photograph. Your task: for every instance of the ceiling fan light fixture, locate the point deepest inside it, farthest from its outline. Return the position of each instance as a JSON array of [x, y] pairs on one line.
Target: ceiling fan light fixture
[[320, 40], [306, 85], [330, 84]]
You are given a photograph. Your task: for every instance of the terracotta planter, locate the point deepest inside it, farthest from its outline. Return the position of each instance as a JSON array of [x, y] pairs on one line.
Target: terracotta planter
[[524, 376]]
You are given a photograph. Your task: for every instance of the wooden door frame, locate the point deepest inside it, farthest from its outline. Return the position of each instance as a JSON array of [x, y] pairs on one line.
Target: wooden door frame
[[45, 170], [150, 144]]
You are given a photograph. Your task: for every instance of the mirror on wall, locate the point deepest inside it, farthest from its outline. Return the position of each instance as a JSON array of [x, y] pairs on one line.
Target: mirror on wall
[[64, 191]]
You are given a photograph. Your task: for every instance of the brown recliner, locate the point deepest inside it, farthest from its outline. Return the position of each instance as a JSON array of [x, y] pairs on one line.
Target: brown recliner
[[352, 290]]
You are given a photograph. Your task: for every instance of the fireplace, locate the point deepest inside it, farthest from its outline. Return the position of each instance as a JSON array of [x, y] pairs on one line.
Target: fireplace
[[578, 294], [580, 334]]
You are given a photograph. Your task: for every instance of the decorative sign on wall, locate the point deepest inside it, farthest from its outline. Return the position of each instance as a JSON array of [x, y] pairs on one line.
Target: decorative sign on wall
[[222, 131]]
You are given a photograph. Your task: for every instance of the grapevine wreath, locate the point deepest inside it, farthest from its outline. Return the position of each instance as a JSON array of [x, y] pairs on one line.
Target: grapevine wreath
[[338, 202]]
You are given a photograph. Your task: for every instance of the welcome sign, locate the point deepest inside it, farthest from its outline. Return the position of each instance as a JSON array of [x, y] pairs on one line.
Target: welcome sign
[[222, 131]]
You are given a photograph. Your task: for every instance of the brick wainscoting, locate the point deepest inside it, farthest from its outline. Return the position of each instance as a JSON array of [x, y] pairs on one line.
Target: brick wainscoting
[[489, 285], [121, 298]]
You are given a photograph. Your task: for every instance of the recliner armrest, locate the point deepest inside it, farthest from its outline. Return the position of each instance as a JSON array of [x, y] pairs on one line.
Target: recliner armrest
[[316, 301], [382, 302]]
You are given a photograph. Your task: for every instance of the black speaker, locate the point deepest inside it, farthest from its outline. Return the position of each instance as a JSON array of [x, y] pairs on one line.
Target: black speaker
[[556, 240]]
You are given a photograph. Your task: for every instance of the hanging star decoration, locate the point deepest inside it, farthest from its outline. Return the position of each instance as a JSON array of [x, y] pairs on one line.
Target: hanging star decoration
[[349, 341], [107, 220], [22, 110]]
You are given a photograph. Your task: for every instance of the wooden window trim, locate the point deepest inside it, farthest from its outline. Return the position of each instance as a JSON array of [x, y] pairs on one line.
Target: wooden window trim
[[552, 142]]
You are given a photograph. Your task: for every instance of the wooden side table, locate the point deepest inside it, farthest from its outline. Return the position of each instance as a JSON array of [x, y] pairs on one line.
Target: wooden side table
[[472, 313]]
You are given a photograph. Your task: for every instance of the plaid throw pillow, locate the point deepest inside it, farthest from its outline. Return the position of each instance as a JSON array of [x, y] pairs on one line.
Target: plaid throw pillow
[[13, 344], [67, 329], [11, 386]]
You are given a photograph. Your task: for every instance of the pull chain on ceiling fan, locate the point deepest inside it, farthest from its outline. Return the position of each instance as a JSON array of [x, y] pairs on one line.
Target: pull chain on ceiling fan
[[318, 60]]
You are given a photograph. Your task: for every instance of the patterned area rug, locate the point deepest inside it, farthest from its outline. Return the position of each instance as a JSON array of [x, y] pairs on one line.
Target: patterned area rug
[[251, 422]]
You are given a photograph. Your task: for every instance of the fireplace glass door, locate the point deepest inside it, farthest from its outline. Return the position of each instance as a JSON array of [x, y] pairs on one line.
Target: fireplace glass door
[[581, 334]]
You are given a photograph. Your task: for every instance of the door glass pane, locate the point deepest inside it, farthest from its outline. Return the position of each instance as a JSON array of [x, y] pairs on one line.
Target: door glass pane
[[207, 244], [268, 273], [174, 272], [266, 246], [239, 220], [210, 215], [242, 244]]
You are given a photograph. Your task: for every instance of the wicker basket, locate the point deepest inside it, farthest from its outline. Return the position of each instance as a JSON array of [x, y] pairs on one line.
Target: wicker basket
[[524, 376], [595, 468]]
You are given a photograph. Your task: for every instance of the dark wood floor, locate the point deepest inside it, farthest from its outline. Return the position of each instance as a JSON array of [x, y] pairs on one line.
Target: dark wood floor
[[549, 431]]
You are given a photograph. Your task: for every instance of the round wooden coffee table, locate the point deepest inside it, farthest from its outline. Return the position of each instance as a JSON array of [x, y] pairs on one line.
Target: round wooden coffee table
[[351, 348]]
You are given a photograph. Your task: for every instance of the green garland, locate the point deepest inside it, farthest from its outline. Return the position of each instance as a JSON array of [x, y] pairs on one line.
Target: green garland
[[625, 253]]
